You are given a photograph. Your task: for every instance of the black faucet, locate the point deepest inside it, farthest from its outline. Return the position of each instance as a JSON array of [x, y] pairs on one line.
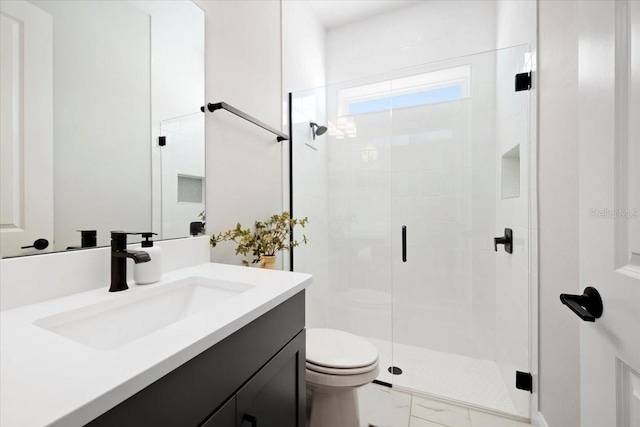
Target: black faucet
[[119, 255]]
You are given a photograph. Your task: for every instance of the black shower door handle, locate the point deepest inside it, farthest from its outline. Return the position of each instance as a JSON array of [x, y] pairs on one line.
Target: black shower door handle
[[404, 243]]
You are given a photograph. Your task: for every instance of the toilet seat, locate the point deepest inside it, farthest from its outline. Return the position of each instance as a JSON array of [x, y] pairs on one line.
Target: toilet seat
[[341, 371], [333, 349]]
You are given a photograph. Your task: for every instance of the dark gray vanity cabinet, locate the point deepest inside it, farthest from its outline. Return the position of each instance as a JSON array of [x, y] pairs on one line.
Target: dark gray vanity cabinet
[[254, 377], [272, 396]]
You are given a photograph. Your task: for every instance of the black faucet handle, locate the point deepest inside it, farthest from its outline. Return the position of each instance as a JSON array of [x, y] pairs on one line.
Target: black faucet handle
[[132, 233], [119, 238]]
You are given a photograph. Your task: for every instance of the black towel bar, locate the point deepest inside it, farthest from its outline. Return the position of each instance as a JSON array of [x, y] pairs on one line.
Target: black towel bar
[[224, 106]]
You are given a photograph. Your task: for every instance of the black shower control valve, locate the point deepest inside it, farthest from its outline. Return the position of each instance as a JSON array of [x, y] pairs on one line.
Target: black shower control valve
[[506, 240]]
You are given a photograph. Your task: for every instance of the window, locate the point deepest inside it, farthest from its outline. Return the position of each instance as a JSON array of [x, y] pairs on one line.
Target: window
[[421, 89]]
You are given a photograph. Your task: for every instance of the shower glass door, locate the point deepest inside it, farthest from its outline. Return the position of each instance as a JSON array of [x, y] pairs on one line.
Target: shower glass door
[[459, 177], [442, 152]]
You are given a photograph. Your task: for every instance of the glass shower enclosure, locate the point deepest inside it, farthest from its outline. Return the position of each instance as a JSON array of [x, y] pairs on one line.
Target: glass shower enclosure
[[419, 171]]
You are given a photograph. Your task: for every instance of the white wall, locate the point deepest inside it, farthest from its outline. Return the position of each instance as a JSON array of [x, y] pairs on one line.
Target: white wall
[[420, 34], [303, 48], [558, 211], [244, 162]]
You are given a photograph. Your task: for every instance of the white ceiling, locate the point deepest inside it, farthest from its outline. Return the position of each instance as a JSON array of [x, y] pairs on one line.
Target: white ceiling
[[334, 13]]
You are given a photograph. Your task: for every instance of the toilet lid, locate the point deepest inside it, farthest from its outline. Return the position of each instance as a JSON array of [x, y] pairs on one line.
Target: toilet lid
[[339, 349]]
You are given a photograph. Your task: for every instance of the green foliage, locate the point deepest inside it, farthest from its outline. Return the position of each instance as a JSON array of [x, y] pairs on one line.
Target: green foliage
[[269, 237]]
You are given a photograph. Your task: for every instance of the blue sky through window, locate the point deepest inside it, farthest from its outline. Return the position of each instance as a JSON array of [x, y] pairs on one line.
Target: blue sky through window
[[432, 96]]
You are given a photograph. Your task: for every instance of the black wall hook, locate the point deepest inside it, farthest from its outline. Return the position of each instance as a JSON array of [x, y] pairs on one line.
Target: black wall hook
[[506, 240], [587, 306]]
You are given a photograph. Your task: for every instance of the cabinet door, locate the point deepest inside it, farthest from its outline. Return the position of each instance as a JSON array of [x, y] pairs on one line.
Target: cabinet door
[[275, 396], [224, 417]]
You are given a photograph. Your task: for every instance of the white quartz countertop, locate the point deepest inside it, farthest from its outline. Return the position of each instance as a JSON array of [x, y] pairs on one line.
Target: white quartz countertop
[[49, 380]]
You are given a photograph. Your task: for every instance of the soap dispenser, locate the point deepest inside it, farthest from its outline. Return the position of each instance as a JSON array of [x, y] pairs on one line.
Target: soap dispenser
[[148, 272]]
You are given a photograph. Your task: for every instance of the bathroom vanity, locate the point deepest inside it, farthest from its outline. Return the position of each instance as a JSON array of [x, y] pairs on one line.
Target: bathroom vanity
[[256, 375], [209, 345]]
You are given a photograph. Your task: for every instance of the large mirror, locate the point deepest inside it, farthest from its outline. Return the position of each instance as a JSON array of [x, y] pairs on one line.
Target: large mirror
[[101, 127]]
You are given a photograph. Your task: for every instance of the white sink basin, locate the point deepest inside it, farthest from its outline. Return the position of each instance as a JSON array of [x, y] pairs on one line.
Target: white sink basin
[[126, 318]]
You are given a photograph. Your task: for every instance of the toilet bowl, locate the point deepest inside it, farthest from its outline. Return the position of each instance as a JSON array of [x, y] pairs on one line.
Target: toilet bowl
[[337, 364]]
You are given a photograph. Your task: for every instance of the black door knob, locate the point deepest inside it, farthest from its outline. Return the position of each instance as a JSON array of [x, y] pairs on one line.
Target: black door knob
[[38, 244], [587, 306]]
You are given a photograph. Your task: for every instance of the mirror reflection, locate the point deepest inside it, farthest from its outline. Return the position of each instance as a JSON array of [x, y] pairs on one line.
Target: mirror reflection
[[89, 91]]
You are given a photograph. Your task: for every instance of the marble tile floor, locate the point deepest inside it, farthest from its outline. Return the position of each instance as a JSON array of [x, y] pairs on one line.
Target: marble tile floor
[[381, 406]]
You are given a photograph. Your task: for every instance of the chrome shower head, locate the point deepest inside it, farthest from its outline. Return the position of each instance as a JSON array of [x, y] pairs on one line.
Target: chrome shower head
[[317, 130]]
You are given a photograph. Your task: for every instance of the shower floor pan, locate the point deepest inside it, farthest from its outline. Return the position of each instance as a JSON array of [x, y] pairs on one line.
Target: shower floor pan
[[450, 376]]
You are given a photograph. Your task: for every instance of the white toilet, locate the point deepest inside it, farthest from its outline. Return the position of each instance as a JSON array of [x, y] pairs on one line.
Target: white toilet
[[337, 363]]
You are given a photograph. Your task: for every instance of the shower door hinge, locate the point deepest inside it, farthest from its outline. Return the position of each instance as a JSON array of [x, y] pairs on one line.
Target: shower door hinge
[[523, 81], [162, 141], [524, 381]]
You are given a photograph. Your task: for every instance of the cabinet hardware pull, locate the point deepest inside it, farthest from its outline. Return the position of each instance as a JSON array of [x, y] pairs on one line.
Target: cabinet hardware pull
[[251, 419]]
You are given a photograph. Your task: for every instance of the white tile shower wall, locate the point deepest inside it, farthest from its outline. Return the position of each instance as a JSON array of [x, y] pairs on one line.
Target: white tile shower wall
[[418, 34], [33, 279], [244, 162], [516, 273]]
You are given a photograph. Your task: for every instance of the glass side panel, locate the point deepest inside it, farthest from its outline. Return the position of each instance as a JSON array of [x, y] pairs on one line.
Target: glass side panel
[[341, 182]]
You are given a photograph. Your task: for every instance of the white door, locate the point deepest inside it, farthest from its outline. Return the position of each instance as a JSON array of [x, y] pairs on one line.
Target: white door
[[610, 210], [26, 127]]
